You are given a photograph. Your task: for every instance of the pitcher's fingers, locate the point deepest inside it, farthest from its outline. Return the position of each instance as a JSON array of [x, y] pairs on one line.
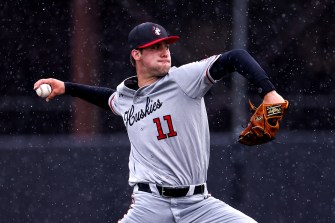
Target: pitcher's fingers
[[41, 81]]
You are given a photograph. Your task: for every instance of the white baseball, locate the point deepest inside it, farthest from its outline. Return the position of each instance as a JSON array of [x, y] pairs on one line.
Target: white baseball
[[43, 90]]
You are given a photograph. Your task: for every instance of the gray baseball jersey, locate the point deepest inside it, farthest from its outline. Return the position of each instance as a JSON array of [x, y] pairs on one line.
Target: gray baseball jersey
[[167, 126]]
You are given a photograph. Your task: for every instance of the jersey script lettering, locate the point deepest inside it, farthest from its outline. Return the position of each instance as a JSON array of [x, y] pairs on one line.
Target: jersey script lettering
[[130, 116]]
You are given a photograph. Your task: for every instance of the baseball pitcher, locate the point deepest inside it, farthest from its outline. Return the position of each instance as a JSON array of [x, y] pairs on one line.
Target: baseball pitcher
[[163, 110]]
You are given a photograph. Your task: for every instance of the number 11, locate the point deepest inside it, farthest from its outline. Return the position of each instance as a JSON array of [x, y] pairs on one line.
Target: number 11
[[161, 134]]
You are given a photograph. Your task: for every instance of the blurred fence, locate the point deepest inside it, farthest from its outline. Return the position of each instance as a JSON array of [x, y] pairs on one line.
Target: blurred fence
[[64, 178]]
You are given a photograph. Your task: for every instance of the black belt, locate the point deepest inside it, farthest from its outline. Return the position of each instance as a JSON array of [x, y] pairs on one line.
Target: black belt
[[172, 191]]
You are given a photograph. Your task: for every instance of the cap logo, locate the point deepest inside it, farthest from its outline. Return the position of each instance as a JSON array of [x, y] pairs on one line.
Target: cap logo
[[156, 30]]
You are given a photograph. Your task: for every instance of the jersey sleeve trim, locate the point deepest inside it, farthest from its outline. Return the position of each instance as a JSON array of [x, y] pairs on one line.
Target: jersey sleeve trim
[[111, 103], [208, 75]]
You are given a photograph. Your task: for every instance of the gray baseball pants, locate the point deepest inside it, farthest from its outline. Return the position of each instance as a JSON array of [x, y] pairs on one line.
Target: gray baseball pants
[[201, 208]]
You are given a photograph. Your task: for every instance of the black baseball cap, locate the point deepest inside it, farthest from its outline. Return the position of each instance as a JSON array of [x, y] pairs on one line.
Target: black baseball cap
[[147, 34]]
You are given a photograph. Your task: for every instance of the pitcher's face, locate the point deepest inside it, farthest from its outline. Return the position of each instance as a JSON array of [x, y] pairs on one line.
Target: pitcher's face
[[156, 59]]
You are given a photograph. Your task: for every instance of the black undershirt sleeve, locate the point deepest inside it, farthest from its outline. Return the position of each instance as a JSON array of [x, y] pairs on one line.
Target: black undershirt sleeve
[[96, 95], [242, 62]]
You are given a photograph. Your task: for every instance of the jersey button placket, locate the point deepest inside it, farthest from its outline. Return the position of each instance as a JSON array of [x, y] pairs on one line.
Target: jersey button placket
[[136, 99], [137, 96]]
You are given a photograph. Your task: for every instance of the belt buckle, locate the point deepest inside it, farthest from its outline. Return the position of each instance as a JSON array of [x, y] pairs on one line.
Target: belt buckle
[[169, 189], [163, 191]]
